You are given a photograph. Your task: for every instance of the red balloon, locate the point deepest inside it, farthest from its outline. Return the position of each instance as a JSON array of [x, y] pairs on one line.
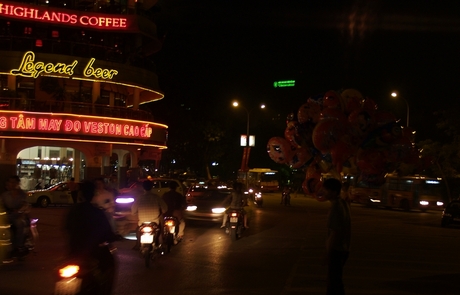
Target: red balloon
[[301, 157], [279, 150], [369, 105], [327, 133], [291, 132], [309, 112], [312, 183], [353, 100], [333, 113], [362, 122], [332, 99]]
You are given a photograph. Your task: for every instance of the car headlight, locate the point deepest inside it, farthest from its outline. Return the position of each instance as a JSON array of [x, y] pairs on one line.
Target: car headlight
[[218, 210], [439, 203], [258, 195], [191, 208], [126, 200], [30, 194], [424, 203]]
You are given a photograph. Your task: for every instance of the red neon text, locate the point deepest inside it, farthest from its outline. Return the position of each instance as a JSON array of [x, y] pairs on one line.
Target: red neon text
[[61, 17], [66, 126]]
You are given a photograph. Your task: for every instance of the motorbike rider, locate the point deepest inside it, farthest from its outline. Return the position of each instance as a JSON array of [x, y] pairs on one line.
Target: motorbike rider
[[176, 205], [14, 200], [89, 238], [5, 241], [286, 196], [149, 207], [237, 200], [105, 200]]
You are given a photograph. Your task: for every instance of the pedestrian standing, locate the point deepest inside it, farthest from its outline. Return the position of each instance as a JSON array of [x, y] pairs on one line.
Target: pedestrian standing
[[339, 235]]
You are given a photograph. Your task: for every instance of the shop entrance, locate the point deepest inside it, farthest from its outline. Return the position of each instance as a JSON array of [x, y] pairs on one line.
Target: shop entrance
[[42, 166]]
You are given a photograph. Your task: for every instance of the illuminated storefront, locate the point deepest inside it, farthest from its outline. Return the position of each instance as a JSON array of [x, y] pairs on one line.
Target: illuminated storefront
[[75, 81]]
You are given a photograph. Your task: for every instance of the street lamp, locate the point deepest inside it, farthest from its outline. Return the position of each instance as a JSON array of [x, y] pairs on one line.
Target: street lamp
[[395, 94], [247, 145], [236, 104]]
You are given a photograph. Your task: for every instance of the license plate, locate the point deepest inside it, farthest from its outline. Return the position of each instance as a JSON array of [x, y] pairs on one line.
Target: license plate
[[147, 239], [233, 219], [67, 287]]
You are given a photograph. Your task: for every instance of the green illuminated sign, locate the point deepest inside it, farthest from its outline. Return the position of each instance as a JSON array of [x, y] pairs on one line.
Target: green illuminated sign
[[285, 83]]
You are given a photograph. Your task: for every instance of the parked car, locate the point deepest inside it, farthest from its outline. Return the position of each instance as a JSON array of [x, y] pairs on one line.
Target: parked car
[[451, 214], [207, 204], [58, 193]]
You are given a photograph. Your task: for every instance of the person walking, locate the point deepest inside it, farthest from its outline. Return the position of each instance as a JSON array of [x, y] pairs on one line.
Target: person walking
[[339, 235]]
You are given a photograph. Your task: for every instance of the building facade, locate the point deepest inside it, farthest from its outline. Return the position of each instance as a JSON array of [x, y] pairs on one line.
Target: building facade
[[73, 78]]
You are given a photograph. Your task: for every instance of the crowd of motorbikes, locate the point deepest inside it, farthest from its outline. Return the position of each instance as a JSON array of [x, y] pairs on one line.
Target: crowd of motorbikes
[[75, 276]]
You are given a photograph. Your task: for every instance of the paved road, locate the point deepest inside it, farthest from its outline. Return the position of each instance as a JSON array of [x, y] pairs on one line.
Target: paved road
[[393, 252]]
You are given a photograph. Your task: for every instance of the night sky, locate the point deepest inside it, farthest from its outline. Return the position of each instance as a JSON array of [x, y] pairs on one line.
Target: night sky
[[219, 50]]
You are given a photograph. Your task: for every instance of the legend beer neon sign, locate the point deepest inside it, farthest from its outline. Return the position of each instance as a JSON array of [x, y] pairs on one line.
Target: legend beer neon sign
[[32, 69], [61, 16]]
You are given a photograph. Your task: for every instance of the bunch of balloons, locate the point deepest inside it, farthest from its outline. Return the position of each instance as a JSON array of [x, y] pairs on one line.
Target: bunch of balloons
[[343, 130]]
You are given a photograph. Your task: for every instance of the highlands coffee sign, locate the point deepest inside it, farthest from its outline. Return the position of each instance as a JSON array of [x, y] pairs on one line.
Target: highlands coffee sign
[[64, 16], [29, 67]]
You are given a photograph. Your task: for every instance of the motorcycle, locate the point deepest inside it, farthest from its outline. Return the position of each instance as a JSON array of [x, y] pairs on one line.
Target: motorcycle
[[235, 223], [286, 198], [170, 230], [256, 197], [87, 276], [149, 245]]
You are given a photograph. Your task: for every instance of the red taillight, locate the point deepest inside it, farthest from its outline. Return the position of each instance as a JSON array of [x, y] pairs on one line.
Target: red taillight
[[169, 222], [69, 271], [147, 229], [234, 214]]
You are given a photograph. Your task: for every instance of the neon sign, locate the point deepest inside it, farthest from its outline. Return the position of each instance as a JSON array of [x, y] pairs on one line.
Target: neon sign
[[285, 83], [30, 68], [75, 125], [62, 16]]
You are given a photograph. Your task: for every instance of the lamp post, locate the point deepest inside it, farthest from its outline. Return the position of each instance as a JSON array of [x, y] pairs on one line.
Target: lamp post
[[395, 94], [247, 145]]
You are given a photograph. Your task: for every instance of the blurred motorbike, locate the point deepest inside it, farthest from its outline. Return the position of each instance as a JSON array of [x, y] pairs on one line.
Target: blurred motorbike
[[255, 197], [87, 276], [170, 230], [235, 223], [150, 246]]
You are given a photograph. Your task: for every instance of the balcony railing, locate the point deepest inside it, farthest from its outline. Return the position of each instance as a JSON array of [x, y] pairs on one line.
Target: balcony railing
[[77, 108]]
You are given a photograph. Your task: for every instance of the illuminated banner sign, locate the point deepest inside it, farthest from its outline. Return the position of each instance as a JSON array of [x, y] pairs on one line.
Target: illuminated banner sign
[[285, 83], [75, 125], [64, 16], [30, 68]]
